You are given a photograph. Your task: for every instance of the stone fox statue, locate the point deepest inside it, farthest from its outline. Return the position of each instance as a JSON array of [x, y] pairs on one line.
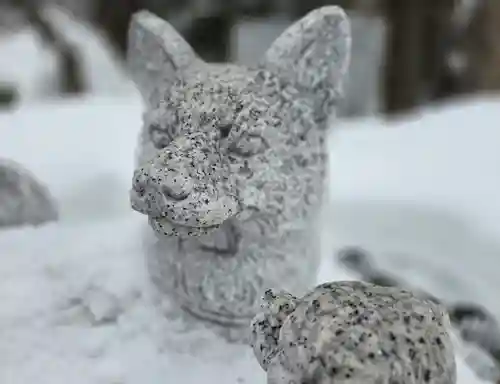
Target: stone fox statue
[[231, 164]]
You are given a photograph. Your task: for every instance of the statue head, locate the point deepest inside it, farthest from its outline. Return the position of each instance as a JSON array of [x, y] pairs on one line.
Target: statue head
[[221, 140]]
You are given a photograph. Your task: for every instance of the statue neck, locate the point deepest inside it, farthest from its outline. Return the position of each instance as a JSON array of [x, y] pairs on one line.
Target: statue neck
[[223, 290]]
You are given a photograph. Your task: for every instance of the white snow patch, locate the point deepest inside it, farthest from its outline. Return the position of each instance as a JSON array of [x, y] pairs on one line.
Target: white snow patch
[[82, 149], [425, 191]]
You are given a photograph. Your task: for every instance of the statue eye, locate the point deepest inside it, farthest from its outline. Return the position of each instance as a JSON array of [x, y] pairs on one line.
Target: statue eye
[[249, 145], [225, 130], [160, 136]]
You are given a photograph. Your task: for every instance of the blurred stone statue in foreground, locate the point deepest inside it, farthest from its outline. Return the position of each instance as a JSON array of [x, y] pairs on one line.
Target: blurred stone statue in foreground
[[353, 332], [231, 164], [24, 200]]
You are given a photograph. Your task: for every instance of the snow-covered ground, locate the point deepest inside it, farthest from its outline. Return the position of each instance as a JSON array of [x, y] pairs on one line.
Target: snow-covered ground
[[76, 306]]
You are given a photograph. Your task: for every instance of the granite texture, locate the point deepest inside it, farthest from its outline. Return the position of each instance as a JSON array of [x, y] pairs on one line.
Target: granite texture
[[231, 164], [351, 332]]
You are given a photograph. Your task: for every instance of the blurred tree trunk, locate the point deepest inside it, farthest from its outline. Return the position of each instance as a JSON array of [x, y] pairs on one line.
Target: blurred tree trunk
[[438, 45], [483, 49], [419, 42], [8, 95], [72, 78], [404, 52]]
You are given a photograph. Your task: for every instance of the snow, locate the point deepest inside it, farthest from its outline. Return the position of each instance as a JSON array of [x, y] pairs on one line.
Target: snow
[[31, 66], [76, 304], [425, 192], [81, 148]]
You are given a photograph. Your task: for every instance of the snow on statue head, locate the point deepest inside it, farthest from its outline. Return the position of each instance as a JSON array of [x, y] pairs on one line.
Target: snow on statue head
[[231, 162]]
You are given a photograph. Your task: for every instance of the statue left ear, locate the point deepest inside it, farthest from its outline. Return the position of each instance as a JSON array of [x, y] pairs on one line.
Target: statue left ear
[[314, 54], [156, 55]]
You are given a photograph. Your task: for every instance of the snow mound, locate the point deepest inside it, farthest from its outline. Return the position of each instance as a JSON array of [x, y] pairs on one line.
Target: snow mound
[[424, 193], [24, 200], [82, 149], [447, 158]]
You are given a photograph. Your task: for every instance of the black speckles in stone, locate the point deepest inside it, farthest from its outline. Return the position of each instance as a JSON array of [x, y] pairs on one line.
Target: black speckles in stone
[[225, 130]]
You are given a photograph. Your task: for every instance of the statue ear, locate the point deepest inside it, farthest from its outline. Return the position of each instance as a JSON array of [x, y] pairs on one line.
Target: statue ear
[[156, 54], [314, 54]]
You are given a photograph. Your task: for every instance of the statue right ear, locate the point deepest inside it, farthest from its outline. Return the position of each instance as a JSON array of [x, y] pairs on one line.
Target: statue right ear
[[156, 54], [314, 53]]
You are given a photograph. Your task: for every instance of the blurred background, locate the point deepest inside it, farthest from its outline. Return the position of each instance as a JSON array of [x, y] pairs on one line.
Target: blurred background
[[406, 53], [415, 186]]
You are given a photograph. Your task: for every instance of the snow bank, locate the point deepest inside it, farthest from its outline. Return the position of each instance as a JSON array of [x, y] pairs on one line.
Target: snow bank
[[425, 191], [447, 158], [82, 149], [76, 305]]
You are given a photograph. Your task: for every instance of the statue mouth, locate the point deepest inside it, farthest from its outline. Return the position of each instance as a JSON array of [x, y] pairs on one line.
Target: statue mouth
[[178, 219], [166, 227], [220, 239]]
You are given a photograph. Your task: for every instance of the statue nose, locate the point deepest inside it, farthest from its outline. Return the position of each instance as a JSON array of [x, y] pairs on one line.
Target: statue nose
[[177, 185]]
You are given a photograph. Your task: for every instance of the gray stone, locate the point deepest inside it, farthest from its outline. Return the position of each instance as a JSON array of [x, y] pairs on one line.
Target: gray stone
[[351, 332], [24, 200], [231, 164]]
